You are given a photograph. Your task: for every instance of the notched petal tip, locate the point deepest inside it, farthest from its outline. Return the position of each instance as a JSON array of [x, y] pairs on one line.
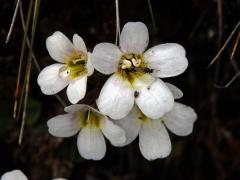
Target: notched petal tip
[[91, 144], [154, 140]]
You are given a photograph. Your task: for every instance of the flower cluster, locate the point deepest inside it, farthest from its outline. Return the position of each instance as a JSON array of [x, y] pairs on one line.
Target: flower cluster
[[133, 101]]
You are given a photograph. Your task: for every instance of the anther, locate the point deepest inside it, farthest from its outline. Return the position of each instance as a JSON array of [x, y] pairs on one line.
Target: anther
[[136, 62], [126, 64]]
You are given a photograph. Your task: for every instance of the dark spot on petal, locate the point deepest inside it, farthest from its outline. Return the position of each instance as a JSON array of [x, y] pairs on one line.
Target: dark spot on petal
[[140, 117], [148, 88], [136, 94]]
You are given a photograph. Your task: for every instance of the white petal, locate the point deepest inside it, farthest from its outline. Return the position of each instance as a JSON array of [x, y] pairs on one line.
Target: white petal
[[116, 98], [113, 133], [79, 43], [80, 107], [59, 46], [90, 67], [154, 101], [77, 89], [105, 57], [49, 80], [134, 37], [91, 143], [154, 141], [14, 175], [176, 92], [167, 59], [143, 81], [76, 107], [131, 125], [180, 119], [64, 125]]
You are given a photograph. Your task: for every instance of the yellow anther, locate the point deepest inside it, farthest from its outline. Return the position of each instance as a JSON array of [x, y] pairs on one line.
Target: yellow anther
[[126, 64], [75, 61], [136, 62]]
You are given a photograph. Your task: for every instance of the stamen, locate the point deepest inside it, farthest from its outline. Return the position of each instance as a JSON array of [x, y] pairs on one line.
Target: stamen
[[89, 118], [126, 64], [75, 61], [136, 62]]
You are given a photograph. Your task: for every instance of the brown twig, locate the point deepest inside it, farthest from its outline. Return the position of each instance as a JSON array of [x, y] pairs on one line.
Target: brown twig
[[225, 44], [13, 21]]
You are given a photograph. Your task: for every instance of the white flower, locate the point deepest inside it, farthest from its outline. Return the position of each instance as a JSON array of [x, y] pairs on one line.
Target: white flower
[[154, 141], [92, 126], [135, 71], [72, 70], [18, 175], [14, 175]]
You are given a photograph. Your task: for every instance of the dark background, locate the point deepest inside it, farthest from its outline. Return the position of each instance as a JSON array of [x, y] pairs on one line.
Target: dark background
[[212, 151]]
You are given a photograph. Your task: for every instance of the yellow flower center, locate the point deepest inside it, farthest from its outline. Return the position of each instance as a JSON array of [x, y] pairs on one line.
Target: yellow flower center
[[132, 66], [132, 61], [75, 66], [89, 118]]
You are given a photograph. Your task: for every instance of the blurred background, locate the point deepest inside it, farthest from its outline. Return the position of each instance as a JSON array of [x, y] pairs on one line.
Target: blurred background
[[212, 151]]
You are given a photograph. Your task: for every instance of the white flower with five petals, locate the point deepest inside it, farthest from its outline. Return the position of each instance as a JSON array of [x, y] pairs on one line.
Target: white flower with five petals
[[136, 73], [154, 141], [72, 70], [92, 126]]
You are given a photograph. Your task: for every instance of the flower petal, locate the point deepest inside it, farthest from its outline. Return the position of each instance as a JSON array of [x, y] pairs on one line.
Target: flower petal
[[91, 143], [113, 133], [14, 175], [59, 46], [116, 98], [105, 57], [154, 141], [49, 80], [176, 92], [180, 119], [64, 125], [77, 89], [167, 59], [154, 101], [76, 107], [134, 37], [79, 43], [131, 125], [143, 81], [90, 67]]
